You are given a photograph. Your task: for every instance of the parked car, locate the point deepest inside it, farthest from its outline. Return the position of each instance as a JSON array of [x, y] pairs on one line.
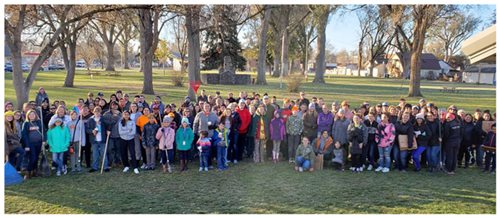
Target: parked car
[[7, 67], [81, 64], [57, 67], [25, 67]]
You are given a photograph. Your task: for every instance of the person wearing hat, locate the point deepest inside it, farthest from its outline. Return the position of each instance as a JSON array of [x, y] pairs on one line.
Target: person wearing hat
[[40, 96], [452, 137], [58, 138], [9, 106], [423, 134], [385, 107], [13, 147], [294, 128], [310, 121], [166, 137], [187, 102], [184, 138], [335, 108]]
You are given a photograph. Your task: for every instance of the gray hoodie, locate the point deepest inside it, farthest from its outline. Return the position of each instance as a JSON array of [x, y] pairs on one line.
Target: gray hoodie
[[77, 130], [127, 132]]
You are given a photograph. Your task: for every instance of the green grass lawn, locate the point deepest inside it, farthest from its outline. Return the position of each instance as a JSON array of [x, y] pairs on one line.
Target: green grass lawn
[[259, 188], [355, 90]]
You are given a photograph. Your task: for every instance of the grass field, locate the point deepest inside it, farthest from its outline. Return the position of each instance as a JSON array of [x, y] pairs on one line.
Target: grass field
[[259, 188]]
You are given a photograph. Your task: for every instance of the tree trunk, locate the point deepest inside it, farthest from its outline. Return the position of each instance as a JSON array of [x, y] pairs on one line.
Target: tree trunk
[[110, 64], [416, 51], [126, 65], [71, 67], [192, 24], [146, 32], [320, 57], [360, 57], [18, 79], [284, 54], [261, 68], [370, 69], [277, 56], [306, 58]]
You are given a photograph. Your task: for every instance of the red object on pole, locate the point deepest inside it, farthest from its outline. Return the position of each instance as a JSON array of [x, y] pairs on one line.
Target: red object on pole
[[195, 85]]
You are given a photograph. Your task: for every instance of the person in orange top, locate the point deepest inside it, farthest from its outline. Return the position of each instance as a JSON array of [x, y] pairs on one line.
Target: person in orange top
[[141, 122], [323, 145]]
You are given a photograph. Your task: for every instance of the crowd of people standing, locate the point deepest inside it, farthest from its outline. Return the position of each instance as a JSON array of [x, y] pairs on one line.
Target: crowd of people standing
[[219, 131]]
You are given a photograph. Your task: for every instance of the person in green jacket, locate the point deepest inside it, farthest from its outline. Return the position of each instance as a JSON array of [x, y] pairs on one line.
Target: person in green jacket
[[304, 156], [183, 139], [58, 138]]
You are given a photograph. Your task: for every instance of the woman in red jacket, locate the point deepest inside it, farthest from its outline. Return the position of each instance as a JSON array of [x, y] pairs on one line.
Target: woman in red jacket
[[245, 117]]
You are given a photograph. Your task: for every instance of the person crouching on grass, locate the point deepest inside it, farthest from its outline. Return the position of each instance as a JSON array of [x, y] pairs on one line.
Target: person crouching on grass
[[149, 142], [203, 145], [304, 156], [58, 138], [219, 138], [166, 136]]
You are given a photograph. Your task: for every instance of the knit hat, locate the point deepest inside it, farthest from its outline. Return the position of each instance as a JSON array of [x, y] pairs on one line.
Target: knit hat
[[266, 97], [58, 120], [341, 111], [295, 108], [167, 119], [420, 116], [185, 120], [385, 104], [312, 106], [242, 101], [9, 113]]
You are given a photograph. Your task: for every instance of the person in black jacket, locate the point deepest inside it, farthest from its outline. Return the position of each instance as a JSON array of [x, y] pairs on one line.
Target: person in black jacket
[[232, 150], [404, 128], [466, 144], [434, 147], [423, 134], [452, 137], [370, 149]]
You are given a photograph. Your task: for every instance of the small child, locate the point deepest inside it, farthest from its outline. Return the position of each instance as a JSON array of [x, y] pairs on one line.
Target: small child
[[338, 156], [149, 141], [166, 135], [204, 147], [277, 132], [490, 143], [58, 138], [220, 141]]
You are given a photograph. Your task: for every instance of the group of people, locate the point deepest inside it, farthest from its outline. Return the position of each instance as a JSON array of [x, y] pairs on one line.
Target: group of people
[[218, 131]]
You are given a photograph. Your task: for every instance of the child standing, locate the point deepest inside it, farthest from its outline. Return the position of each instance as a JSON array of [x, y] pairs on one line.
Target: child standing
[[58, 138], [338, 156], [204, 148], [358, 137], [490, 145], [277, 131], [149, 142], [220, 141], [183, 139], [166, 135], [77, 131]]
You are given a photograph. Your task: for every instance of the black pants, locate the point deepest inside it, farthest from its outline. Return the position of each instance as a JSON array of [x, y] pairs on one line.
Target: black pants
[[250, 146], [490, 161], [242, 141], [86, 151], [212, 154], [451, 152], [126, 147], [356, 160], [464, 151], [143, 154]]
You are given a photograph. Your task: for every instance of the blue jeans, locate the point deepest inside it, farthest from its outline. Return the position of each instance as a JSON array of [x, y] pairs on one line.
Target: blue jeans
[[204, 159], [433, 155], [402, 159], [301, 162], [163, 156], [221, 157], [371, 153], [57, 157], [416, 156], [16, 157], [385, 156], [490, 161], [395, 156], [97, 154], [114, 151], [232, 150], [479, 154], [35, 149]]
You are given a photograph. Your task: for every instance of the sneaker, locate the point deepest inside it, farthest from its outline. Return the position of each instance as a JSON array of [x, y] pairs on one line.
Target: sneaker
[[53, 168], [235, 161], [370, 167], [352, 168], [126, 169], [360, 169], [301, 169], [211, 167], [385, 170], [106, 170], [136, 171], [58, 173], [65, 170], [379, 169], [201, 169], [206, 169], [144, 166]]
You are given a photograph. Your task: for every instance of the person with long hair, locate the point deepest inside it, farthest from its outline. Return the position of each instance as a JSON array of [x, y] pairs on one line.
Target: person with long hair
[[127, 131], [32, 137], [13, 147], [59, 138]]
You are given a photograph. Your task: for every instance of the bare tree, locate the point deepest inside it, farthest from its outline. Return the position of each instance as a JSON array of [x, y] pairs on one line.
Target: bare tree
[[321, 14], [129, 32], [180, 37], [261, 68], [108, 29]]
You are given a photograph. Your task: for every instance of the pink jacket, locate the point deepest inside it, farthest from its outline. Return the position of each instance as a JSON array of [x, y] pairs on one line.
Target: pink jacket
[[385, 135], [166, 138]]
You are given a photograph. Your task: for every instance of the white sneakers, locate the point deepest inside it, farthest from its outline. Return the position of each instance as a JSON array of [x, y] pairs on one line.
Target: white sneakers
[[206, 169], [379, 169], [370, 167], [385, 170], [136, 171], [125, 169], [301, 169], [143, 166], [201, 169]]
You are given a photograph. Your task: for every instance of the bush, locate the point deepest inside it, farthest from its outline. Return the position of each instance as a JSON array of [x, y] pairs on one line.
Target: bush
[[178, 78], [293, 82]]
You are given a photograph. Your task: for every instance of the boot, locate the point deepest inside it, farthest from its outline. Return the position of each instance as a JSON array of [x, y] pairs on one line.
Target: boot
[[27, 175], [164, 168], [274, 156], [182, 165], [34, 173]]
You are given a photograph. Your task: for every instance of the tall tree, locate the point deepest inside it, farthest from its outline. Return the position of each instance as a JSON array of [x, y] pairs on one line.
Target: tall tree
[[306, 34], [321, 13], [422, 17], [180, 39], [108, 29], [261, 68], [129, 32]]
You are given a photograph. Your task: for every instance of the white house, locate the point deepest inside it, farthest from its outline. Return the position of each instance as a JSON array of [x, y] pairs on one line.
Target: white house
[[481, 50], [481, 73]]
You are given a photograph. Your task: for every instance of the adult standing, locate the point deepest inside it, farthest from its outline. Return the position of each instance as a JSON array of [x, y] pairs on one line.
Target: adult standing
[[245, 117], [452, 137], [206, 120], [294, 128], [302, 100], [127, 131], [310, 120], [404, 128], [32, 137], [110, 120], [339, 131], [434, 148], [40, 96], [325, 120]]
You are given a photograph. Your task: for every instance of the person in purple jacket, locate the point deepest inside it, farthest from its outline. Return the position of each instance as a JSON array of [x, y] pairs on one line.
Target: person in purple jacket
[[277, 132], [325, 120]]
